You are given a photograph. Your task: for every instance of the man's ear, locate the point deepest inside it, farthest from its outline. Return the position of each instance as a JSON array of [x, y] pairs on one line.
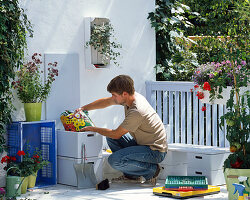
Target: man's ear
[[125, 94]]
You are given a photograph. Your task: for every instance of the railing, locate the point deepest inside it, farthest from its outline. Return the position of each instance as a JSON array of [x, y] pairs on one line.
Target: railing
[[179, 107]]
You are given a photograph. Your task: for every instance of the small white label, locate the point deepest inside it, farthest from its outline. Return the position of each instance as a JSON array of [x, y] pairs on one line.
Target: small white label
[[16, 186]]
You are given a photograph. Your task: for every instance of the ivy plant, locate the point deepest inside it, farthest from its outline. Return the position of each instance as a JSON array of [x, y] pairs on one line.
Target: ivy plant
[[13, 29], [101, 40], [173, 58]]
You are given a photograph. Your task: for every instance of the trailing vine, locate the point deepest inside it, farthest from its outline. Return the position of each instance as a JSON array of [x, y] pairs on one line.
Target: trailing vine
[[13, 29]]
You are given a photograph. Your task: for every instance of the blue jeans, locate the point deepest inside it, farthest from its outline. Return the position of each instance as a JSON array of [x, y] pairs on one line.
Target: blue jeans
[[132, 159]]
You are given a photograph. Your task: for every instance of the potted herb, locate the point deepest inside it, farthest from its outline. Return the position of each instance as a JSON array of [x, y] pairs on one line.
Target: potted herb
[[30, 87], [101, 41]]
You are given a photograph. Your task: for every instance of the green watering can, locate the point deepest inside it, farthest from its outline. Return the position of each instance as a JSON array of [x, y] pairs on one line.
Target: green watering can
[[13, 185]]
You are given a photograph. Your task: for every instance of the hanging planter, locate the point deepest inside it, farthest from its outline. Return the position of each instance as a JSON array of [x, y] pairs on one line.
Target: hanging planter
[[102, 43]]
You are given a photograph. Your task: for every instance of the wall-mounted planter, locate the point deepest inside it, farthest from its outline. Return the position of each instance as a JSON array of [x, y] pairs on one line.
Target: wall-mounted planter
[[93, 58]]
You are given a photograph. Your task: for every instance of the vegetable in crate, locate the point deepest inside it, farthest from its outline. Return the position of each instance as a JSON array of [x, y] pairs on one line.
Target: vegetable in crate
[[75, 122]]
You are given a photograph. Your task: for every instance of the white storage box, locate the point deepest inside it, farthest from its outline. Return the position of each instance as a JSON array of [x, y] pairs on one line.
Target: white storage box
[[69, 144], [66, 172], [209, 161], [175, 158], [172, 170], [215, 177]]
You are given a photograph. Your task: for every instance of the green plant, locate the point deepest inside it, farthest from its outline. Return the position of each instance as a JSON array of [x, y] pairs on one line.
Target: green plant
[[29, 84], [14, 27], [238, 128], [216, 76], [173, 58], [29, 164], [100, 39]]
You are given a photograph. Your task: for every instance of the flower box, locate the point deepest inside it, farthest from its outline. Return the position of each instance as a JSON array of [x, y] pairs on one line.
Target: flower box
[[225, 94]]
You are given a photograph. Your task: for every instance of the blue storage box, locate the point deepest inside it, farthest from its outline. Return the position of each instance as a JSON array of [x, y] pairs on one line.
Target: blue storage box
[[38, 134]]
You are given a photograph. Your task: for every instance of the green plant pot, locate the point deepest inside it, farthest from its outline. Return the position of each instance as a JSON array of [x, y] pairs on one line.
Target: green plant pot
[[32, 180], [231, 176], [24, 185], [12, 186], [33, 111]]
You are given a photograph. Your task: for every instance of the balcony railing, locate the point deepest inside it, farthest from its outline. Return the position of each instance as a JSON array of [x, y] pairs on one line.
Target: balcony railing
[[179, 107]]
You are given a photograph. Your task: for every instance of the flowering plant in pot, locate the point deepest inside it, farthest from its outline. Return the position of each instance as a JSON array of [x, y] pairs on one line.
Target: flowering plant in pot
[[30, 85], [212, 78]]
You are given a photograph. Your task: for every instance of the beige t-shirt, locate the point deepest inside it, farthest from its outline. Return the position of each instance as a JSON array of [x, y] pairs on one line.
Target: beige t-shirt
[[144, 124]]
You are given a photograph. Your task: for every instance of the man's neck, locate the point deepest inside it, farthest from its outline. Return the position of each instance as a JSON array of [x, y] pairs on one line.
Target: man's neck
[[130, 100]]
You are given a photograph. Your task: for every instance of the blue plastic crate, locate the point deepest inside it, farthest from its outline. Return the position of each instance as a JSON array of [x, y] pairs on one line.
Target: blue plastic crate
[[39, 134]]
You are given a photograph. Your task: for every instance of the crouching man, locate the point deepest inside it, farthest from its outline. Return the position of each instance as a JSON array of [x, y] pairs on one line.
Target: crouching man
[[139, 143]]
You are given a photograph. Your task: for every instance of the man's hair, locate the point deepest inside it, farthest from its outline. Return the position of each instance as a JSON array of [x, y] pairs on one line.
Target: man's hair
[[120, 84]]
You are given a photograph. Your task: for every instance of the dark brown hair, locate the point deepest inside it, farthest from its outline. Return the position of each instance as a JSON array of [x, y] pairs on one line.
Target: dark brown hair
[[120, 84]]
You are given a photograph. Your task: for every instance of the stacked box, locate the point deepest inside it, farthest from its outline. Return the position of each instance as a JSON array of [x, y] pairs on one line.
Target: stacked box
[[70, 151]]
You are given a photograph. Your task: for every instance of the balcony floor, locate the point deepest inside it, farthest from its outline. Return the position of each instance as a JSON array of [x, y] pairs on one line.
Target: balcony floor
[[115, 192]]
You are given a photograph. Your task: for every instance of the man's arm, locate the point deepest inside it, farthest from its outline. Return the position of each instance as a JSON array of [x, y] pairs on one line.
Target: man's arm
[[98, 104], [114, 134]]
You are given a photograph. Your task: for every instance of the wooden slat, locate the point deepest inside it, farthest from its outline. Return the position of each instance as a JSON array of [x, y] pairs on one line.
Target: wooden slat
[[183, 117], [208, 125], [195, 119], [171, 117], [221, 132], [165, 107], [189, 118], [159, 104], [214, 125], [176, 110], [201, 124]]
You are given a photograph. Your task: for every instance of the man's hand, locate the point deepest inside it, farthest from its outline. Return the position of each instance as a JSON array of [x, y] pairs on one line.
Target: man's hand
[[77, 110], [88, 128]]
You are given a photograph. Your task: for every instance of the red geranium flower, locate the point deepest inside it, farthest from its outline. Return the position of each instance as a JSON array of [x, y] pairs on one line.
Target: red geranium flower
[[36, 156], [196, 86], [206, 86], [13, 158], [200, 95], [204, 108], [21, 153], [4, 159], [191, 90]]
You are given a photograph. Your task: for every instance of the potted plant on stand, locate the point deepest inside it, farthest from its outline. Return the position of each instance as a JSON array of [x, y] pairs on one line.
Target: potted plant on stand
[[30, 87]]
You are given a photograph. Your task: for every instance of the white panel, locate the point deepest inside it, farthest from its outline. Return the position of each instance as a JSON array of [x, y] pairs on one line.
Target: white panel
[[159, 105], [226, 141], [65, 93], [183, 117], [189, 118], [165, 107], [201, 124], [221, 132], [195, 119], [208, 125], [177, 120], [171, 116], [214, 124]]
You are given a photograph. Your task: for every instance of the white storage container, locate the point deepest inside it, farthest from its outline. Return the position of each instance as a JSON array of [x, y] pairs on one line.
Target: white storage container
[[175, 158], [215, 177], [66, 172], [172, 170], [69, 144], [209, 161]]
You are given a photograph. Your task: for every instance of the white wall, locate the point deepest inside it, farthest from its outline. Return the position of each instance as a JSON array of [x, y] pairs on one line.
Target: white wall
[[59, 28]]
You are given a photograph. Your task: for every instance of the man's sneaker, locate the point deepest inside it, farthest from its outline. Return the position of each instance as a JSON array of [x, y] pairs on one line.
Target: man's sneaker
[[124, 179], [152, 182]]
